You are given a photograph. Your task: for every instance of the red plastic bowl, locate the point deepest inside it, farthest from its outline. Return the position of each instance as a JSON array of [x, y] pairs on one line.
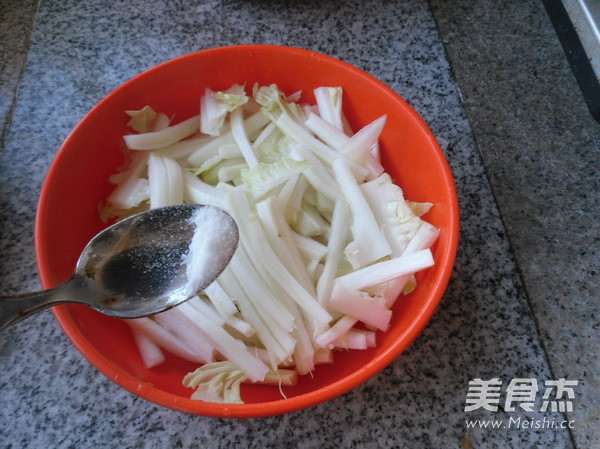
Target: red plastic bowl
[[77, 183]]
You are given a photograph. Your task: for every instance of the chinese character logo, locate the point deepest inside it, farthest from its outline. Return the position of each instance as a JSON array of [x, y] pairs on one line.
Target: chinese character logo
[[521, 393], [561, 387], [483, 394]]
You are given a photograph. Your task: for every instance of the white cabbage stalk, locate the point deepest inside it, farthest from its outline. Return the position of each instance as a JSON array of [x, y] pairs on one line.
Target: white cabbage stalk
[[356, 339], [214, 107], [165, 178], [154, 140], [368, 244], [329, 102], [393, 214], [327, 241], [132, 188], [264, 177], [149, 349], [358, 147], [359, 304], [252, 124]]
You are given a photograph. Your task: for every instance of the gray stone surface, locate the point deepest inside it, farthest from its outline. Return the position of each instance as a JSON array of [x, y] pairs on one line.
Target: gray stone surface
[[487, 324], [540, 147], [16, 20]]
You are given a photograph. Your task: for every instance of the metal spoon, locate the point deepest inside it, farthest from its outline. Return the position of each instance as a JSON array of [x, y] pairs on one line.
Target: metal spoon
[[134, 268]]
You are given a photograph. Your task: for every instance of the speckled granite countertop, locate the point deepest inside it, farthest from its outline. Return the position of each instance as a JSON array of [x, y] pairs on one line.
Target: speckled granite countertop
[[490, 80]]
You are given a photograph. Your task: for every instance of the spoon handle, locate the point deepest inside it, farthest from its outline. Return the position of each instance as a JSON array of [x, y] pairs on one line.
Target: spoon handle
[[18, 307]]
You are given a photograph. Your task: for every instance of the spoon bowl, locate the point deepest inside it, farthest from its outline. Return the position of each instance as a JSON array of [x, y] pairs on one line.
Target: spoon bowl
[[139, 266]]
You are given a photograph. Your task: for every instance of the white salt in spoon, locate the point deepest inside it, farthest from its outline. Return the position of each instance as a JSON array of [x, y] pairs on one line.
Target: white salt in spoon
[[142, 265]]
